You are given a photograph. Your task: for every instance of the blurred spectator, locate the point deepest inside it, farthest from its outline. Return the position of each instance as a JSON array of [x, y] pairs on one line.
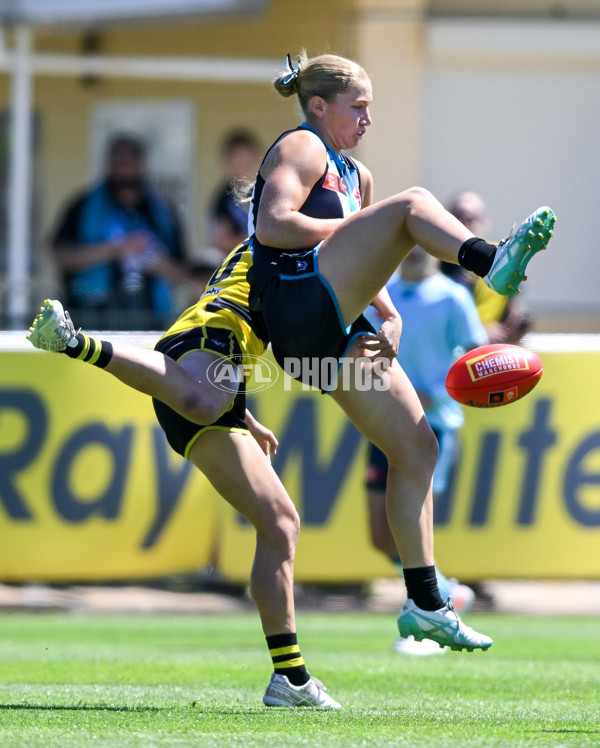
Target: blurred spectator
[[440, 322], [241, 152], [119, 247], [506, 318]]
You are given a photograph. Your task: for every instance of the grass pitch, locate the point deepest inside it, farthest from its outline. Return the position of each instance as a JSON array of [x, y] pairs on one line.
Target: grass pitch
[[157, 680]]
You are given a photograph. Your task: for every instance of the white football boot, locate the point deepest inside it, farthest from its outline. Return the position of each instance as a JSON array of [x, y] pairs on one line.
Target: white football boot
[[442, 626], [280, 692]]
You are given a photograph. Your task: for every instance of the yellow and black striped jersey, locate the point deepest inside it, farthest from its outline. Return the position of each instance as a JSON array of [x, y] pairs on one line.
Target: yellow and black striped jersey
[[224, 303]]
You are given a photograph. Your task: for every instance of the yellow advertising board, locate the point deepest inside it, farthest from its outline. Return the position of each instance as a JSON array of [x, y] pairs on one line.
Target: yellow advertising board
[[89, 489], [527, 500]]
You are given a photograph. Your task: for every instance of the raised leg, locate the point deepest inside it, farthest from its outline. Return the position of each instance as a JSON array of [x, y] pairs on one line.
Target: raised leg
[[358, 259]]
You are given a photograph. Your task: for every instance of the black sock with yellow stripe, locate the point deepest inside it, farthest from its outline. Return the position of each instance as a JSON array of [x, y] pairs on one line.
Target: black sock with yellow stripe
[[90, 350], [287, 659]]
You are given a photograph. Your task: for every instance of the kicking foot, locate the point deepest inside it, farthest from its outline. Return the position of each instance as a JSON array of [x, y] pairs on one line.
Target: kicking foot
[[52, 328], [513, 254]]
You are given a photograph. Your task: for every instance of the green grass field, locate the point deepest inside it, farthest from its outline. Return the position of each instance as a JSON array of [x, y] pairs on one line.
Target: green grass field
[[149, 680]]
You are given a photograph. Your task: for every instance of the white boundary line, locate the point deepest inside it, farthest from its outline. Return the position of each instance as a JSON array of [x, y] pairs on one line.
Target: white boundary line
[[15, 341]]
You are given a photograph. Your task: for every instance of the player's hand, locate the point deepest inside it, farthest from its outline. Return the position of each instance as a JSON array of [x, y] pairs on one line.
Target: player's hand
[[266, 439], [386, 342]]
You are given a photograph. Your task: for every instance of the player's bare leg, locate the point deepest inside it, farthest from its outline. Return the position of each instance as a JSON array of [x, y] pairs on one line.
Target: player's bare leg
[[370, 244], [243, 475], [185, 387], [394, 420]]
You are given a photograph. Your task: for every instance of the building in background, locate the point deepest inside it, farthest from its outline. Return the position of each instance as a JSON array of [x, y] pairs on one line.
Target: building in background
[[500, 97]]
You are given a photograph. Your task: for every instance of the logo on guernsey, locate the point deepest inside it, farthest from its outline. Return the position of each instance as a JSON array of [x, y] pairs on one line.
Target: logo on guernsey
[[335, 183], [488, 364]]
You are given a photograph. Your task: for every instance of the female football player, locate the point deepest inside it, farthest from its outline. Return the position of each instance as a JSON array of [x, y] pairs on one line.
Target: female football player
[[322, 252]]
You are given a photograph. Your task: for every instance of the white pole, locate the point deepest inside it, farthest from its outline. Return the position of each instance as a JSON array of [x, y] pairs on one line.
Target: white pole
[[19, 194]]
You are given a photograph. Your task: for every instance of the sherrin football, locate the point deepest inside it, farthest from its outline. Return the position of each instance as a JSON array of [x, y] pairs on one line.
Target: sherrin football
[[494, 375]]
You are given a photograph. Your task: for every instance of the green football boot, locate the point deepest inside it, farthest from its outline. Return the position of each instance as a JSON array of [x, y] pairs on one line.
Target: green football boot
[[52, 328], [513, 254]]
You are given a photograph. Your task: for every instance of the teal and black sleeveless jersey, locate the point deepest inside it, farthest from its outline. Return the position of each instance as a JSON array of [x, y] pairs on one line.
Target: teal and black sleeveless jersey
[[301, 314], [335, 195]]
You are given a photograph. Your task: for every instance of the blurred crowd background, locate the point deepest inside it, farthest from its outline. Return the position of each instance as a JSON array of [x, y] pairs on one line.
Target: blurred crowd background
[[499, 98]]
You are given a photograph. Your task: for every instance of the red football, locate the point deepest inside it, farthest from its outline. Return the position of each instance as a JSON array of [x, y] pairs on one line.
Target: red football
[[493, 375]]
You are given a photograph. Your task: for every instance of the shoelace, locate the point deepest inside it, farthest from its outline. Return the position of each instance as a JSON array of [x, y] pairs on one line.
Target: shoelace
[[462, 627], [510, 236], [318, 683], [66, 331], [452, 609]]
